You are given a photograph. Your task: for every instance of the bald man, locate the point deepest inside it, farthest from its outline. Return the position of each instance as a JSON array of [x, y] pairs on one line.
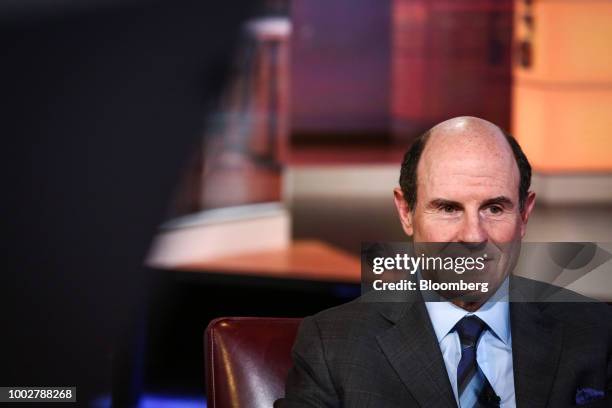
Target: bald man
[[464, 182]]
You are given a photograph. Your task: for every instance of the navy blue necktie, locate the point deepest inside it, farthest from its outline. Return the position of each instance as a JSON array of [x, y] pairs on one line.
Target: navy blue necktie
[[473, 387]]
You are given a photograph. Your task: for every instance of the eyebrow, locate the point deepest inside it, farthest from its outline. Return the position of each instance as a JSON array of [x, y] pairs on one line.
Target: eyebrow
[[441, 202], [501, 200]]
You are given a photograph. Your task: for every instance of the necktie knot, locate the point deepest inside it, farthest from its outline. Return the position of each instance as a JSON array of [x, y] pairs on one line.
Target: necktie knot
[[469, 329]]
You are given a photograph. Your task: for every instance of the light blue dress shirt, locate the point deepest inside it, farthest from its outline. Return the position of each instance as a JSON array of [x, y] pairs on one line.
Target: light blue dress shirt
[[494, 349]]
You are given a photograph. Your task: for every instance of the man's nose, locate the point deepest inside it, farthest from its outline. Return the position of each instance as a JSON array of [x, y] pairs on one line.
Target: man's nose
[[472, 231]]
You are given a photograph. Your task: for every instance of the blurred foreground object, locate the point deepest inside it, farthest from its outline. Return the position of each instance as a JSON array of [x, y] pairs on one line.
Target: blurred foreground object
[[230, 198], [103, 101]]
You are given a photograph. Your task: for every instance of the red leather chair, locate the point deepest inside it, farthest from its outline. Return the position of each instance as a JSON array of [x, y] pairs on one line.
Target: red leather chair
[[247, 360]]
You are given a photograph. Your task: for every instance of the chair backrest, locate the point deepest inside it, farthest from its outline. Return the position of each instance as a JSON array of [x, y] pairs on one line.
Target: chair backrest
[[247, 360]]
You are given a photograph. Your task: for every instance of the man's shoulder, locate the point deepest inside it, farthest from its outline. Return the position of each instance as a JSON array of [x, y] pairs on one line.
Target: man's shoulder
[[356, 318], [357, 310], [565, 305], [581, 314]]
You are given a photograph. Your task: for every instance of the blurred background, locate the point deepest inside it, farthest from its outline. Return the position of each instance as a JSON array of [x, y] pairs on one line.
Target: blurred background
[[259, 148]]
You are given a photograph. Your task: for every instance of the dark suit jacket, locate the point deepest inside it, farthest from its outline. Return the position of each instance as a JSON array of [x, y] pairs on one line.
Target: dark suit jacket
[[372, 354]]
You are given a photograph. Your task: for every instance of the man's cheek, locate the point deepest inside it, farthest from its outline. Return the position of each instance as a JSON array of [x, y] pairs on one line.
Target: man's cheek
[[504, 230], [436, 230]]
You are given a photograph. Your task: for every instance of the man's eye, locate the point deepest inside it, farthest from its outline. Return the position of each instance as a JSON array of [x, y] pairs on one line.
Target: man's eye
[[449, 209], [496, 210]]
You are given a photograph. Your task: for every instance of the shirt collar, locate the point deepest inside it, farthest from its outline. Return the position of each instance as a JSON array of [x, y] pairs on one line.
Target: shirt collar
[[495, 313]]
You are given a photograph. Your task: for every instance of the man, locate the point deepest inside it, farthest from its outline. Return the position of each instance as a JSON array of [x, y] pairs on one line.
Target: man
[[463, 182]]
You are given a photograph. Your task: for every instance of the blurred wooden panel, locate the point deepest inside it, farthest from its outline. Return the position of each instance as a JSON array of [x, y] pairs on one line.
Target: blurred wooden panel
[[449, 58], [308, 260], [340, 67]]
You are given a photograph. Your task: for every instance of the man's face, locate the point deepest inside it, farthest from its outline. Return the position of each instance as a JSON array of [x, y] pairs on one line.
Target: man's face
[[468, 192]]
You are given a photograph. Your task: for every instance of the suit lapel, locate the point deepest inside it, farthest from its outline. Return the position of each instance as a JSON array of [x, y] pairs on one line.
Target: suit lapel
[[536, 347], [412, 349]]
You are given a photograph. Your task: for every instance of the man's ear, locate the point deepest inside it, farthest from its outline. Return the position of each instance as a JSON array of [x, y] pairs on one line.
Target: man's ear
[[403, 211], [529, 204]]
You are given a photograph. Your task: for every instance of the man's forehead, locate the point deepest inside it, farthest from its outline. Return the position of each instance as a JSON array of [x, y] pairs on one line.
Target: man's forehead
[[468, 163], [467, 186], [467, 153]]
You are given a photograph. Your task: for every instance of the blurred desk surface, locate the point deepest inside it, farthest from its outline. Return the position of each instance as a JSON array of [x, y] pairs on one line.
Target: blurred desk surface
[[304, 260]]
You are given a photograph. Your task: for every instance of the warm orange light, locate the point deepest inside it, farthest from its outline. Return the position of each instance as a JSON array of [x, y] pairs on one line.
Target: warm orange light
[[562, 104]]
